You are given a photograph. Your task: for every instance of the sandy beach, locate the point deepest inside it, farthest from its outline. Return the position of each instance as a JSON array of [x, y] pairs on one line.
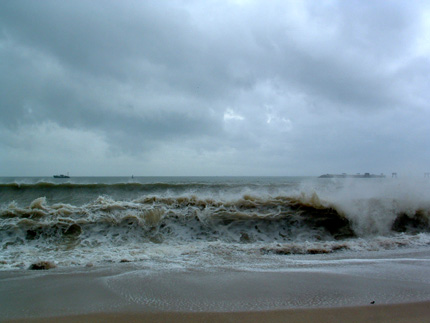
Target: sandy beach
[[127, 294], [413, 312]]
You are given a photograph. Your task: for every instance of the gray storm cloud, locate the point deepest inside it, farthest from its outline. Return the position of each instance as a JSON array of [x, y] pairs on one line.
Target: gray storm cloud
[[214, 88]]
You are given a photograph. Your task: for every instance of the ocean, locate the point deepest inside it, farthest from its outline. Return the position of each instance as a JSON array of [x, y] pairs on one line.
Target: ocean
[[212, 223]]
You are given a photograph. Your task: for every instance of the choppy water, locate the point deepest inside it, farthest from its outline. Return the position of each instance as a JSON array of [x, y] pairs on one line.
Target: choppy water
[[205, 222]]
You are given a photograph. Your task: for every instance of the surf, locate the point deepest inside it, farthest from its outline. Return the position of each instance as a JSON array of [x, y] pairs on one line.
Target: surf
[[244, 217]]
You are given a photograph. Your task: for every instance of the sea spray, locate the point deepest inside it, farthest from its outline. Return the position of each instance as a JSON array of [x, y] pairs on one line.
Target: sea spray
[[207, 221]]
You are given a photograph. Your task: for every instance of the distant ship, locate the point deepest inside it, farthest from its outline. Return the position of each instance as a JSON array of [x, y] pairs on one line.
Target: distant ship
[[62, 176], [365, 175]]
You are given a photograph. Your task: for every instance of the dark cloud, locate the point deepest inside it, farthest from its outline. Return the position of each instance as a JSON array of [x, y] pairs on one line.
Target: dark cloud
[[280, 88]]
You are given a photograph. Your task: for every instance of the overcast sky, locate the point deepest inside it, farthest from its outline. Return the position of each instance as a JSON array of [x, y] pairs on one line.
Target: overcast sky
[[214, 87]]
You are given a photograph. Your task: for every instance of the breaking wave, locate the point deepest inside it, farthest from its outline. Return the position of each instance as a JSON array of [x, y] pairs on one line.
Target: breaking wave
[[263, 219], [184, 218]]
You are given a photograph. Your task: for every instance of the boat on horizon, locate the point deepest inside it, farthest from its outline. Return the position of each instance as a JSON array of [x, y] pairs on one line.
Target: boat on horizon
[[62, 176], [344, 175]]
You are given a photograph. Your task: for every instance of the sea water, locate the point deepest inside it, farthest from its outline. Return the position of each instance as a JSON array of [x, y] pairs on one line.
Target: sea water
[[216, 223]]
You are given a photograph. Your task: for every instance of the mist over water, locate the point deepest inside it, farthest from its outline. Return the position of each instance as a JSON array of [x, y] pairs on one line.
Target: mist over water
[[239, 222]]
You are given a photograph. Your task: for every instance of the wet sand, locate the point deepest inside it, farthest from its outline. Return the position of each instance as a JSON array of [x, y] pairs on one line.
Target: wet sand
[[127, 294], [413, 312]]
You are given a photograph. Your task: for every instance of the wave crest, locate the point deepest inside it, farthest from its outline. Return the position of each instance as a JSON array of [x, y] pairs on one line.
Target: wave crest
[[246, 219]]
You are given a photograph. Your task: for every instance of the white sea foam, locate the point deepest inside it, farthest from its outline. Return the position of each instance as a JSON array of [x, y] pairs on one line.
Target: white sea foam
[[238, 225]]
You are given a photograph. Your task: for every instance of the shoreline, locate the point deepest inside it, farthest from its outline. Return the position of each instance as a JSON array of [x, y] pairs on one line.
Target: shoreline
[[403, 312], [130, 294]]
